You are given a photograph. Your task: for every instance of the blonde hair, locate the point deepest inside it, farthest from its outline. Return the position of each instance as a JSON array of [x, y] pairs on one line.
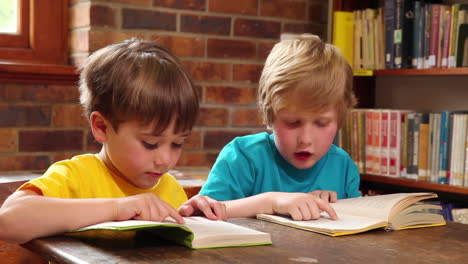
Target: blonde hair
[[305, 74], [138, 80]]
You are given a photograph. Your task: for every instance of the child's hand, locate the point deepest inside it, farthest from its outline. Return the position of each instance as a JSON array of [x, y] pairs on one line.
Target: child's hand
[[301, 206], [328, 196], [147, 206], [204, 205]]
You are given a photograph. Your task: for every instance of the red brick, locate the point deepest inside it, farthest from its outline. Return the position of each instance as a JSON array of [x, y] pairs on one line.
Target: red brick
[[318, 12], [181, 4], [8, 142], [247, 118], [213, 116], [100, 39], [208, 71], [39, 93], [247, 72], [218, 139], [182, 46], [226, 48], [19, 115], [246, 7], [145, 19], [194, 159], [69, 116], [79, 41], [57, 140], [205, 24], [102, 16], [194, 140], [230, 95], [91, 144], [24, 163], [257, 28], [264, 48], [79, 15], [284, 8], [133, 2], [296, 28], [60, 157]]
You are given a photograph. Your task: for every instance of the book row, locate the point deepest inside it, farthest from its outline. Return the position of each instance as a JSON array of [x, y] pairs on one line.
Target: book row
[[401, 143], [404, 34]]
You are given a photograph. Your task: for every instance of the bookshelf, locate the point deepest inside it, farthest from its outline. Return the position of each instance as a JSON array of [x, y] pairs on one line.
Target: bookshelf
[[368, 83]]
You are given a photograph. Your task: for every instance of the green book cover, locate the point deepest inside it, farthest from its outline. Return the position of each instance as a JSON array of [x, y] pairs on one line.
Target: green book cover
[[196, 233]]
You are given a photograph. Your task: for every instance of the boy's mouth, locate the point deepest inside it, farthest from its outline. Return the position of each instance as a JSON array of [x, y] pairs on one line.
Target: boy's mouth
[[155, 174], [302, 155]]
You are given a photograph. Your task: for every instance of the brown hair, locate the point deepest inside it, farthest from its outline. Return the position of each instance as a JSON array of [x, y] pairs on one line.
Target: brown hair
[[308, 73], [138, 80]]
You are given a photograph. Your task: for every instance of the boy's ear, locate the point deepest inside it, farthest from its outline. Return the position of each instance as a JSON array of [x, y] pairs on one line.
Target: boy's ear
[[99, 126]]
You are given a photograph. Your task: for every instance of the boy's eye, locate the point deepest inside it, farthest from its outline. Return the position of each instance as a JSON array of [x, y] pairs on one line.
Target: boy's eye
[[150, 146], [322, 123], [177, 145], [294, 123]]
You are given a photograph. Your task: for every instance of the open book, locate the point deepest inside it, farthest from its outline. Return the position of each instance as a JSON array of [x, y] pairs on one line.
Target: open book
[[390, 211], [196, 233]]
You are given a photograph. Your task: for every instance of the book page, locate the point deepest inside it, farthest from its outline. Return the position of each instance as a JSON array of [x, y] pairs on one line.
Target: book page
[[344, 224], [379, 206]]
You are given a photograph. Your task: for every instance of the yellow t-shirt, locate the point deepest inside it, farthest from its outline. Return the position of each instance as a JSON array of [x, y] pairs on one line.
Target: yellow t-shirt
[[86, 176]]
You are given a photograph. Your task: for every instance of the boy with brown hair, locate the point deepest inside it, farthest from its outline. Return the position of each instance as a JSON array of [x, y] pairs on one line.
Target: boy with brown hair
[[305, 92], [141, 106]]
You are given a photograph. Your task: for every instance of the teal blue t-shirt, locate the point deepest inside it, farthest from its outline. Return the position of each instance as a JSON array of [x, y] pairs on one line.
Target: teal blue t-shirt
[[251, 165]]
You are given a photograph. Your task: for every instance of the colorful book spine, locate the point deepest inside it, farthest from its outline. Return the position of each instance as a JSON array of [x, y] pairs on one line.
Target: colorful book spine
[[443, 151], [394, 143], [434, 35], [343, 23], [389, 12], [384, 143]]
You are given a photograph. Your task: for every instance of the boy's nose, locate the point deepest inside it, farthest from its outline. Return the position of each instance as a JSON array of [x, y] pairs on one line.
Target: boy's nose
[[306, 136], [161, 158]]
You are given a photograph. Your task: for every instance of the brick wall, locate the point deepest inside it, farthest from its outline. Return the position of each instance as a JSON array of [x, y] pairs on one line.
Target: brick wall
[[222, 43]]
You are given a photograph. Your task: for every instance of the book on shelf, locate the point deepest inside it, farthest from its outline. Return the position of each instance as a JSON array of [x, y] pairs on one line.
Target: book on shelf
[[343, 23], [196, 233], [355, 215], [462, 46]]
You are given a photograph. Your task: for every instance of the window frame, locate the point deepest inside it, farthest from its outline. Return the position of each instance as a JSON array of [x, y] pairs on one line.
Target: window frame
[[43, 37]]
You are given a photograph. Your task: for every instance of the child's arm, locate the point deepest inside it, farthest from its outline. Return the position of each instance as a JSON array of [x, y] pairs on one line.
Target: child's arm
[[25, 215], [301, 206]]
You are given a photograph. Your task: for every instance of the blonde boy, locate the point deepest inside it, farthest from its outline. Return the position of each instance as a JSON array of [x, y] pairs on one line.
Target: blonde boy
[[305, 92], [141, 106]]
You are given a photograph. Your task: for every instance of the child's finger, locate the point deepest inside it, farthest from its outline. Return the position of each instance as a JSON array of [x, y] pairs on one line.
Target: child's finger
[[332, 197], [326, 207], [174, 214], [186, 210], [205, 208]]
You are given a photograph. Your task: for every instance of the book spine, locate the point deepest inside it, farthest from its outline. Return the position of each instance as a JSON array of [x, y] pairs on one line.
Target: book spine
[[427, 35], [389, 12], [434, 37], [398, 34], [453, 36], [407, 34], [394, 143], [369, 147], [423, 147], [435, 152], [343, 23], [384, 143], [404, 145], [376, 138], [417, 34], [446, 40], [444, 125]]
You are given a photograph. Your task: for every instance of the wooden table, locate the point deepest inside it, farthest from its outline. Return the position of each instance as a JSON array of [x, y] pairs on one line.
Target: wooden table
[[445, 244]]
